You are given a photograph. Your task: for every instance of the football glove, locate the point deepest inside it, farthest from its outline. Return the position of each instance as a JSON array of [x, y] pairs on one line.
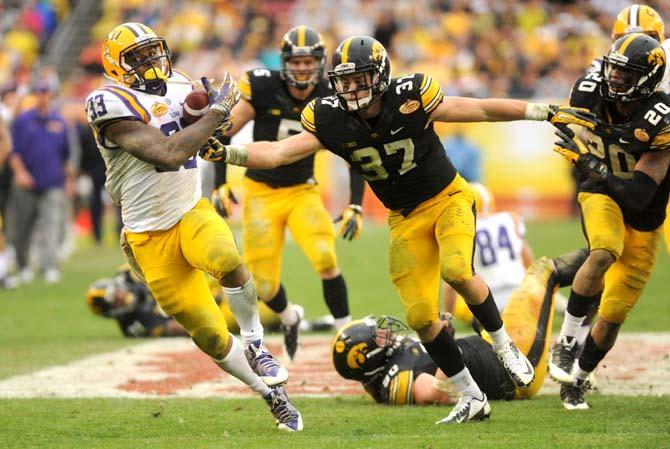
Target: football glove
[[352, 222], [223, 199], [213, 150], [567, 115], [573, 149], [225, 97]]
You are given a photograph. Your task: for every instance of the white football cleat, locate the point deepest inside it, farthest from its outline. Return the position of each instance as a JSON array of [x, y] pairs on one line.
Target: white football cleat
[[515, 363], [468, 409], [562, 360]]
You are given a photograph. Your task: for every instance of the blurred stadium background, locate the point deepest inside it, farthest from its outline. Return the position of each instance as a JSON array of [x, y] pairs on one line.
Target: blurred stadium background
[[522, 49]]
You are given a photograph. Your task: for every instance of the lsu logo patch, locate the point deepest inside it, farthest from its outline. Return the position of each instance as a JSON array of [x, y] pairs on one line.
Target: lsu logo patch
[[641, 135], [159, 109], [356, 356], [656, 57], [409, 106]]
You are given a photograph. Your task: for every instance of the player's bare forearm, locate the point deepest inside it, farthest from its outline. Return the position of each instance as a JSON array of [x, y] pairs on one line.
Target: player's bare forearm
[[462, 109], [149, 144], [264, 154]]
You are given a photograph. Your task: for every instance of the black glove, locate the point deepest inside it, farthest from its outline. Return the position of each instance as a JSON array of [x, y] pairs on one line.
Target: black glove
[[573, 149]]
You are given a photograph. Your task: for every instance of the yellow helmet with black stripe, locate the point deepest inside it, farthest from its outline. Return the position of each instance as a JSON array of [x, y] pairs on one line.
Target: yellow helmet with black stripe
[[134, 56], [639, 19]]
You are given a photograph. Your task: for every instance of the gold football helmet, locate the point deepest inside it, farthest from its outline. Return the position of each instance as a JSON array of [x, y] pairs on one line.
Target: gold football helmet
[[110, 297], [484, 200], [639, 19], [133, 55]]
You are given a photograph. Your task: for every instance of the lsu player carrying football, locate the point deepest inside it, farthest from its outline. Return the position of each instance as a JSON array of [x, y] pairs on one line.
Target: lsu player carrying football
[[398, 371], [501, 254], [623, 196], [383, 128], [643, 19], [288, 196], [172, 236]]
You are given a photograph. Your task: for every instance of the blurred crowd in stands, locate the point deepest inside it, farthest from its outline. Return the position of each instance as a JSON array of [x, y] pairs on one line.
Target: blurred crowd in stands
[[508, 48]]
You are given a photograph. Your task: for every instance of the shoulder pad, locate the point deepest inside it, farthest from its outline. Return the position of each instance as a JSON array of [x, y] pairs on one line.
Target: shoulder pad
[[585, 93], [256, 81], [181, 77], [307, 118], [111, 103]]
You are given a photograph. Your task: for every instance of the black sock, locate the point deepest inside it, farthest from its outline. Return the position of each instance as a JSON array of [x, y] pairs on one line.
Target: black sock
[[278, 303], [445, 353], [335, 294], [591, 355], [487, 314], [579, 305]]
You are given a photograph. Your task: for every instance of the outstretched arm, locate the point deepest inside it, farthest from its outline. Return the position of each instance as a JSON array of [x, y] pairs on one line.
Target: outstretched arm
[[263, 154]]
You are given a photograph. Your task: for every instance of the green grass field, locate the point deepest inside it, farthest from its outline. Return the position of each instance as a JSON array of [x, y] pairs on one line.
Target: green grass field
[[48, 325]]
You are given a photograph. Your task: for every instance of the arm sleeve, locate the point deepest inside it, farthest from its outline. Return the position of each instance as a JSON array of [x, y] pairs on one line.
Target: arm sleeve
[[356, 187], [633, 195]]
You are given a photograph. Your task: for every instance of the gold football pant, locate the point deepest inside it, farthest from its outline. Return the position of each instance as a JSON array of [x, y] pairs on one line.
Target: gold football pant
[[666, 229], [436, 239], [173, 263], [635, 253], [267, 213]]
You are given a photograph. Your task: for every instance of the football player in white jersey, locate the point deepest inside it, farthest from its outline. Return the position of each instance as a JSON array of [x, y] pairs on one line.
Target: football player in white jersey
[[643, 19], [172, 236], [502, 255]]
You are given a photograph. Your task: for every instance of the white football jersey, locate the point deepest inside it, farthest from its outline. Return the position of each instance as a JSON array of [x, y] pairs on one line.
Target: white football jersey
[[151, 199], [499, 237]]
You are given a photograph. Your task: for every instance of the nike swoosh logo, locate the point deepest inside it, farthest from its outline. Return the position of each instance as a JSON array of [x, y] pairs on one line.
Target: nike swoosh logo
[[454, 193], [529, 368], [396, 131], [624, 141]]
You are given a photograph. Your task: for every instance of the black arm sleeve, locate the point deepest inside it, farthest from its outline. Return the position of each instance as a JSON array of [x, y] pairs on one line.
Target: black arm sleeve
[[356, 187], [220, 167], [633, 195]]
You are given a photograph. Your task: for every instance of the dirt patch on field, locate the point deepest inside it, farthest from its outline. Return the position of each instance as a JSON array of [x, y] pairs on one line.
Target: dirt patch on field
[[638, 365]]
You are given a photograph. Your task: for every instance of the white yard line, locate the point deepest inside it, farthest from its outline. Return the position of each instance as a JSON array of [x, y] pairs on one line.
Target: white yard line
[[173, 367]]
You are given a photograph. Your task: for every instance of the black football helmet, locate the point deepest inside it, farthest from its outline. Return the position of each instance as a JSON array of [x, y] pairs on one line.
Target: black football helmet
[[361, 348], [633, 68], [360, 54], [302, 41], [111, 297]]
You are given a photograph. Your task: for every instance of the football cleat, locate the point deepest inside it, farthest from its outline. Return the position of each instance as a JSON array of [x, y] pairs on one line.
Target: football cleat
[[265, 365], [468, 409], [572, 396], [562, 359], [291, 332], [287, 417], [516, 364]]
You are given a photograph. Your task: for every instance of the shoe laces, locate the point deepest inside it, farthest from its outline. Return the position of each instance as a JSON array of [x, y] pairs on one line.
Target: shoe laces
[[263, 359], [566, 350], [510, 357], [282, 409]]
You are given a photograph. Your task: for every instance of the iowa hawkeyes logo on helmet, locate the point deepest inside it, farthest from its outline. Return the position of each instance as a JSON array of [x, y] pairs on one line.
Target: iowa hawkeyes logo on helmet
[[356, 355], [378, 52], [656, 57]]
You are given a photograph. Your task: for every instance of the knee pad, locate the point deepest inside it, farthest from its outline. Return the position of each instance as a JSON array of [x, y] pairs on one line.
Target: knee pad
[[420, 315], [211, 340], [456, 268]]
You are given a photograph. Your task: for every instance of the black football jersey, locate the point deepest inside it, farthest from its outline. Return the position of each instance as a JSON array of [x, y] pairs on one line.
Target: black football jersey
[[398, 153], [394, 385], [277, 117], [145, 319], [621, 147]]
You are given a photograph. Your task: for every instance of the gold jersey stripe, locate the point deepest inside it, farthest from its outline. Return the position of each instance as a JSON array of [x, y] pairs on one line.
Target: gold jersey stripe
[[425, 83], [301, 36], [307, 117], [131, 102], [626, 43], [661, 139], [345, 50], [244, 85], [400, 389], [431, 95]]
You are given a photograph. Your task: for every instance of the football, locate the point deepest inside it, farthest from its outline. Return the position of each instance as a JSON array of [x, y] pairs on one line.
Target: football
[[196, 104]]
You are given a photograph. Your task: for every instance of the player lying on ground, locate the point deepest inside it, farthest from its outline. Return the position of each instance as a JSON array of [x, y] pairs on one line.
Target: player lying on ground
[[397, 370]]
